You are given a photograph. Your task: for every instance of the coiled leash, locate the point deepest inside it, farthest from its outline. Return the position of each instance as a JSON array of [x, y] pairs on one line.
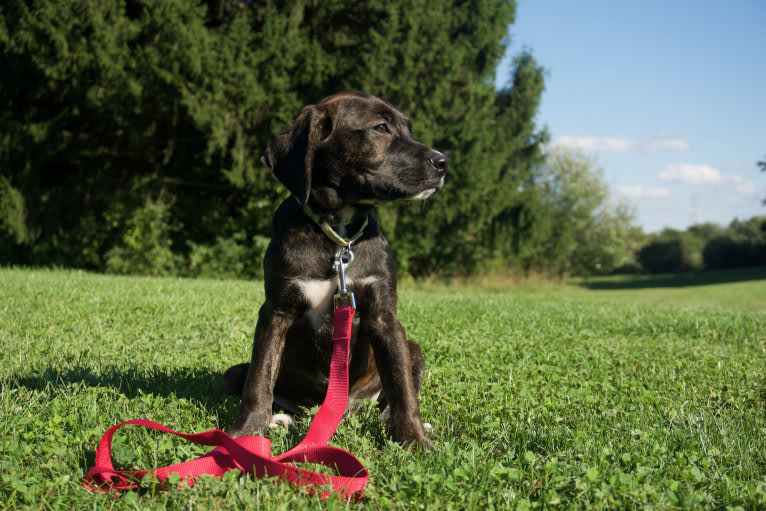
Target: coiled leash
[[252, 454]]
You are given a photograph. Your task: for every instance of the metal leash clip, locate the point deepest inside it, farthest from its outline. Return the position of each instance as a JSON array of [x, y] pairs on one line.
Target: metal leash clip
[[344, 298]]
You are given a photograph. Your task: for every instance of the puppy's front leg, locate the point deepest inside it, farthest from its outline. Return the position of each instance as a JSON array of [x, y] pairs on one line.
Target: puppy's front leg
[[258, 393], [392, 356]]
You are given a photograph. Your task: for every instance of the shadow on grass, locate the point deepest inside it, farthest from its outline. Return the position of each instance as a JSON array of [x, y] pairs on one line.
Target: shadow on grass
[[704, 278], [199, 385]]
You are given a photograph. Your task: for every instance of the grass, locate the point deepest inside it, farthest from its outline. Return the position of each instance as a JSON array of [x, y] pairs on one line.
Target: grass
[[744, 288], [615, 397]]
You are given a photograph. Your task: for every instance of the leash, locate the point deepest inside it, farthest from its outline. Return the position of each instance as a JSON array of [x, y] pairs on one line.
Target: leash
[[252, 454]]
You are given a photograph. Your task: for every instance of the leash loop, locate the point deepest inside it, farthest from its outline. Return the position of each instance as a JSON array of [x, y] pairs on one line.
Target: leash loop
[[252, 454]]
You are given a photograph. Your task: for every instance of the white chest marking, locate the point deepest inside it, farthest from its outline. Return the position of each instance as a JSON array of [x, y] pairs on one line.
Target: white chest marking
[[317, 292]]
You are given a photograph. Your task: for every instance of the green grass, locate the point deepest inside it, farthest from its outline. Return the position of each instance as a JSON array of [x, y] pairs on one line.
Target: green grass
[[744, 289], [569, 397]]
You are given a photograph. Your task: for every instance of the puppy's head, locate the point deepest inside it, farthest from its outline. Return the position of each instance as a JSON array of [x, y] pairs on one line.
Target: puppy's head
[[353, 148]]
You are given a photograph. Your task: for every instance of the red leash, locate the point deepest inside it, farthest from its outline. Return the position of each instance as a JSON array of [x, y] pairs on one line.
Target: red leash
[[252, 454]]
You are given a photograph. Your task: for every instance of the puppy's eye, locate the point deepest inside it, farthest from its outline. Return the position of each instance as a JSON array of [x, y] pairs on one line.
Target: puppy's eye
[[382, 128]]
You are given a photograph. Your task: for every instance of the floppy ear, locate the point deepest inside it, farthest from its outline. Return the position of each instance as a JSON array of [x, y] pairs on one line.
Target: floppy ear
[[290, 155]]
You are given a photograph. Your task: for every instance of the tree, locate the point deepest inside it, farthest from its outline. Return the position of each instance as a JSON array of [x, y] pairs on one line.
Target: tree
[[742, 244], [706, 246], [109, 107], [587, 232], [437, 64]]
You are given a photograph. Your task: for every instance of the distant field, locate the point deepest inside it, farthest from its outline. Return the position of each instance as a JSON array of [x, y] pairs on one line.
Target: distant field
[[618, 393], [743, 288]]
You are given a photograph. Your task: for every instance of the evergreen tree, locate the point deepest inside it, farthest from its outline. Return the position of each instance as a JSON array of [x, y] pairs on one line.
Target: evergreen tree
[[107, 107], [436, 61]]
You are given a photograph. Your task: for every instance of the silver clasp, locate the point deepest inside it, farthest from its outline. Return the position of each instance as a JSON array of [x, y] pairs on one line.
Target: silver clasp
[[344, 298]]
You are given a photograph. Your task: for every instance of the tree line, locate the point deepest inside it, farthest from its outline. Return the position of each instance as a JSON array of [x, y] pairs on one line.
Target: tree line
[[131, 133], [706, 246]]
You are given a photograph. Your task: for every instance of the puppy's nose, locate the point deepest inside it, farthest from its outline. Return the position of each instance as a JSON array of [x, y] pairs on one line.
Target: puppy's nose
[[438, 161]]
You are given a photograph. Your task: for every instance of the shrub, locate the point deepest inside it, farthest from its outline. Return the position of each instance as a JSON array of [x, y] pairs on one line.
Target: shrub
[[233, 257], [13, 213], [670, 255], [725, 252], [146, 246]]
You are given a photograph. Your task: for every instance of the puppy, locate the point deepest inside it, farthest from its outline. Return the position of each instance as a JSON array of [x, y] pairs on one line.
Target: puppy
[[340, 159]]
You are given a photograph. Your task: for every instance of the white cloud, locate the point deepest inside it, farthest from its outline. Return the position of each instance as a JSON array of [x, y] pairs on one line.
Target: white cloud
[[741, 184], [621, 145], [639, 192], [673, 144], [689, 173]]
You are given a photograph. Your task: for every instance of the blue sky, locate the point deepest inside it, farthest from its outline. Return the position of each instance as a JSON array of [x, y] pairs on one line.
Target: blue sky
[[669, 96]]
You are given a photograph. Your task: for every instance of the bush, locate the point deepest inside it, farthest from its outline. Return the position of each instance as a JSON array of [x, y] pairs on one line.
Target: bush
[[670, 255], [228, 258], [725, 252], [146, 246], [13, 213]]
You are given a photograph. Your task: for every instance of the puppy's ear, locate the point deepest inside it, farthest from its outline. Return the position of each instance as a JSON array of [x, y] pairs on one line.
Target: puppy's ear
[[290, 155]]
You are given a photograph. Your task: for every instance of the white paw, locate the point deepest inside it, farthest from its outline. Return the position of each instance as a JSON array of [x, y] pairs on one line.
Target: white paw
[[428, 427], [280, 419]]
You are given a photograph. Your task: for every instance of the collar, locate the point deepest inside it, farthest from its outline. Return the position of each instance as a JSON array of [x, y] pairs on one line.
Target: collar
[[327, 228]]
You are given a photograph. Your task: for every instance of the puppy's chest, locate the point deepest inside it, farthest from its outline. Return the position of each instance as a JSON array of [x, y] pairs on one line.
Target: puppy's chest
[[318, 295]]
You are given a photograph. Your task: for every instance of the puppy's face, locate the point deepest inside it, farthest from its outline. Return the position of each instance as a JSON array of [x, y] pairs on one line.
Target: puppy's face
[[354, 148]]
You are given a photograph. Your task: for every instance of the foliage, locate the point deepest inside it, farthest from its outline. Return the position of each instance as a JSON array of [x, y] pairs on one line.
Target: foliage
[[742, 244], [12, 213], [588, 399], [571, 225], [235, 257], [671, 251], [724, 252], [146, 246], [495, 146], [103, 105], [106, 103], [706, 246]]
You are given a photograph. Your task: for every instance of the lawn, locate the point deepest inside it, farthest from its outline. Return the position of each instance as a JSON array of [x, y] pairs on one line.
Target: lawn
[[607, 395]]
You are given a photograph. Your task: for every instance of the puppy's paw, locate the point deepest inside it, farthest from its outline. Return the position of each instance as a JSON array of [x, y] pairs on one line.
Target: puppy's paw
[[281, 419], [421, 444], [249, 423], [412, 436]]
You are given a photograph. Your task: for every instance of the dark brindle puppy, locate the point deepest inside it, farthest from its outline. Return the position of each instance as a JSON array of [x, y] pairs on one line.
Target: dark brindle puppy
[[340, 158]]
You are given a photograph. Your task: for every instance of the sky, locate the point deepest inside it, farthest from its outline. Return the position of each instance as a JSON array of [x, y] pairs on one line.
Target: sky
[[668, 96]]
